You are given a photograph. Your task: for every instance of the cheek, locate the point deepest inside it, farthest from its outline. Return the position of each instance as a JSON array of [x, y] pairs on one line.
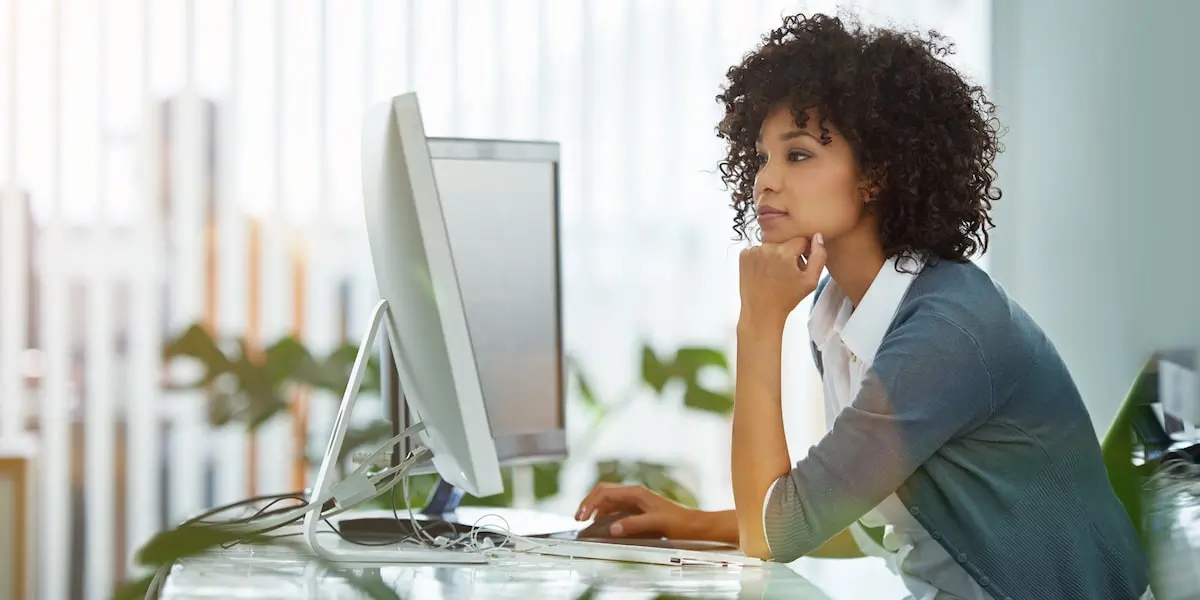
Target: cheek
[[833, 217], [829, 205]]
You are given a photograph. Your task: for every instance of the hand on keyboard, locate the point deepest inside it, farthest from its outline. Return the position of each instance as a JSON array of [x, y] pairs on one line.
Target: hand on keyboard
[[634, 511]]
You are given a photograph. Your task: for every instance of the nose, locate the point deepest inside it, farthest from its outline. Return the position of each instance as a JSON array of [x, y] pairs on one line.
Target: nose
[[766, 180]]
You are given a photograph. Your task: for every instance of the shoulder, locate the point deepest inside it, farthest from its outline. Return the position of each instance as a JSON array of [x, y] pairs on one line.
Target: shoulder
[[960, 302], [938, 346], [960, 293]]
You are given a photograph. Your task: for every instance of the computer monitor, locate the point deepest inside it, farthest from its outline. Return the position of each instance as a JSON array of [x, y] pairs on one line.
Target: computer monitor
[[501, 201], [423, 315]]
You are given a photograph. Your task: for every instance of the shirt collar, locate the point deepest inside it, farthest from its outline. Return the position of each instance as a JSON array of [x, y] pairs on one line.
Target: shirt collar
[[863, 329]]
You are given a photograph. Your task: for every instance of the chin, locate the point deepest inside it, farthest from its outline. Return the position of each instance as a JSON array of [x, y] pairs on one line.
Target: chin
[[779, 235]]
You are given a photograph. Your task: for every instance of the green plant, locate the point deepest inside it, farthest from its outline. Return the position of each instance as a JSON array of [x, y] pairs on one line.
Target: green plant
[[684, 371], [250, 388]]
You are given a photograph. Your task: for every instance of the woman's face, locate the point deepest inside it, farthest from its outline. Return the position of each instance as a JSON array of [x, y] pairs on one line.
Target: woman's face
[[804, 187]]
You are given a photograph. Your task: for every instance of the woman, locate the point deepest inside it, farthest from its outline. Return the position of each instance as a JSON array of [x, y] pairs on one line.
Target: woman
[[954, 426]]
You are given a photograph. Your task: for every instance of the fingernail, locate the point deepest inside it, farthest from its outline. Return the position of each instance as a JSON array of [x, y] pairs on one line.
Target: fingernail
[[616, 529], [819, 239], [582, 511]]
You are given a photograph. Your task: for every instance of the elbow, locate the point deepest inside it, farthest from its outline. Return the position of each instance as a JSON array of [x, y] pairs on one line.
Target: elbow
[[755, 548]]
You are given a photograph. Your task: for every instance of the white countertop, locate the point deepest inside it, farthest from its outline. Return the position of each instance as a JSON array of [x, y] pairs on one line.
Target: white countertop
[[276, 573], [280, 573]]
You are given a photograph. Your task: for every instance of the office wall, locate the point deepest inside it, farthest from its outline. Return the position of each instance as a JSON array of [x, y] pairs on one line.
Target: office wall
[[1095, 232]]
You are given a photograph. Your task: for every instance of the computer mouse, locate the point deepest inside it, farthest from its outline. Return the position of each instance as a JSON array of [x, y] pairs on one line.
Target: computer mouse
[[600, 526]]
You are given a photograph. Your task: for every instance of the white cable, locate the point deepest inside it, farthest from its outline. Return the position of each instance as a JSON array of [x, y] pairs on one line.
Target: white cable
[[390, 445]]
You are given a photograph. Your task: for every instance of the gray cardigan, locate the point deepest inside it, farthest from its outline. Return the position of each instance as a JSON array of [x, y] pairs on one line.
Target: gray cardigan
[[971, 417]]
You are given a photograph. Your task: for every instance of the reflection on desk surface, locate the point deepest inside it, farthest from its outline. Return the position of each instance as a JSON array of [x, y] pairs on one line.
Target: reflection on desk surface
[[277, 573], [1172, 522]]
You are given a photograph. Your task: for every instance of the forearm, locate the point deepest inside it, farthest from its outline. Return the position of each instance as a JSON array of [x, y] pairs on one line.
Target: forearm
[[718, 526], [759, 453], [722, 526]]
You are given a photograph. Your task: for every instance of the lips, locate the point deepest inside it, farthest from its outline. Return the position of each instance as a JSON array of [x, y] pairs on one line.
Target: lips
[[769, 213]]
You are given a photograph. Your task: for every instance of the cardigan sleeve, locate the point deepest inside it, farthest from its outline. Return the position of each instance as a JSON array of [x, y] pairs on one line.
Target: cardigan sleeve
[[929, 382]]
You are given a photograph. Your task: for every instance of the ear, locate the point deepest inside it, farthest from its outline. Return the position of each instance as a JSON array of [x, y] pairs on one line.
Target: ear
[[871, 185], [872, 194]]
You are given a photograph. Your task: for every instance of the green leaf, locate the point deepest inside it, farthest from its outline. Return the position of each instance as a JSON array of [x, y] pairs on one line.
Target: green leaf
[[654, 372], [197, 344], [332, 373], [609, 471], [252, 379], [357, 437], [585, 387], [221, 408], [190, 540], [657, 478], [699, 398], [283, 360], [134, 590], [262, 409], [419, 488], [689, 361], [653, 476], [259, 396], [545, 480]]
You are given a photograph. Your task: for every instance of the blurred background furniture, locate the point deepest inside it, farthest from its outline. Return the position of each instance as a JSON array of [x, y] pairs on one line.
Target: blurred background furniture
[[18, 518]]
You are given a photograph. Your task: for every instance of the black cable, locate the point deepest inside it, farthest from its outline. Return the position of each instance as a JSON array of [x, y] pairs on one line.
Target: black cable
[[241, 503], [265, 512], [274, 499]]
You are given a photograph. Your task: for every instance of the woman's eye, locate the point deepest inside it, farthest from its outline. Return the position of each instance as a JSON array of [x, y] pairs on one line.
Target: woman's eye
[[797, 156]]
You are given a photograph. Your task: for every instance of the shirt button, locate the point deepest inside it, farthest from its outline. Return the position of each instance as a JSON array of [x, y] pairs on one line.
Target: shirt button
[[984, 581], [961, 558], [914, 511], [937, 535]]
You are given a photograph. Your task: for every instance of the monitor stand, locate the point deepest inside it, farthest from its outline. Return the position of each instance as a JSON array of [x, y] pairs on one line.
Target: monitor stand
[[343, 551]]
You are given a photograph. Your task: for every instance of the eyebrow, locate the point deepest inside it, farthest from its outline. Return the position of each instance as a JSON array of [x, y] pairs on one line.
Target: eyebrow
[[790, 135]]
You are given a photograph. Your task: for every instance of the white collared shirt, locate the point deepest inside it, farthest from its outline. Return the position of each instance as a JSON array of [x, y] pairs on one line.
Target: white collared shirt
[[848, 338]]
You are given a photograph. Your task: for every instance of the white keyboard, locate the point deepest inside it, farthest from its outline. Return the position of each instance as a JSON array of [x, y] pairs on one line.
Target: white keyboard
[[634, 554]]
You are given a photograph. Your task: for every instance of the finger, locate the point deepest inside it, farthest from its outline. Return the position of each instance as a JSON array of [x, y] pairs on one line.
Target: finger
[[816, 257], [637, 525], [589, 502], [611, 498], [796, 246], [597, 499]]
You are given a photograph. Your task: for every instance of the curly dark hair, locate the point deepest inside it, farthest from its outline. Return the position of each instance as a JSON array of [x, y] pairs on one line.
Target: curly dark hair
[[927, 137]]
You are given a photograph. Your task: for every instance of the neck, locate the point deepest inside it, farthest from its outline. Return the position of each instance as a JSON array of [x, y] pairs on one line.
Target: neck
[[854, 260]]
